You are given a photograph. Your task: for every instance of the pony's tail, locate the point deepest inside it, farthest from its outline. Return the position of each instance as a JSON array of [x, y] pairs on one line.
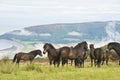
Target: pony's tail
[[15, 57]]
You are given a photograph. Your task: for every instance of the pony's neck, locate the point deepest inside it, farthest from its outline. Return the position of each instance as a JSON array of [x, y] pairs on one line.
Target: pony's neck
[[116, 49], [78, 46], [52, 50], [34, 53], [92, 52]]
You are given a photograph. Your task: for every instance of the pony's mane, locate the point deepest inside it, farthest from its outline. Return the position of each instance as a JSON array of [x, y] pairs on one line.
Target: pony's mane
[[115, 43], [80, 44], [50, 45], [34, 51]]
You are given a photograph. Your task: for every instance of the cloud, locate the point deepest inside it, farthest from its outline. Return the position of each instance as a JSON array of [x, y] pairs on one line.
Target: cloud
[[71, 39], [45, 34], [74, 33], [23, 13], [22, 32]]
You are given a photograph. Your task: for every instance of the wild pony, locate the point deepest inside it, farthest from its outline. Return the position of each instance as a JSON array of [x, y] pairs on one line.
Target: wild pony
[[110, 55], [106, 55], [92, 57], [53, 53], [77, 53], [115, 46], [26, 56], [96, 54]]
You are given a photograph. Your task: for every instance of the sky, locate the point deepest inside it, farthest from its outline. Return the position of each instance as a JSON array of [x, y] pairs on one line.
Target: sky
[[17, 14]]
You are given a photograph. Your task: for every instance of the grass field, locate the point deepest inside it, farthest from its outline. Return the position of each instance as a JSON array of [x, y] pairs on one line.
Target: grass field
[[42, 71]]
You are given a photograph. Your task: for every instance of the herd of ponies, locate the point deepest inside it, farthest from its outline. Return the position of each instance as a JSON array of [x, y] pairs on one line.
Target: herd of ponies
[[77, 54]]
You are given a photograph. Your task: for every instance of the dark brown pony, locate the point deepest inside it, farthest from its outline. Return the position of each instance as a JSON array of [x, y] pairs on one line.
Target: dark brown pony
[[115, 46], [96, 54], [92, 57], [110, 55], [26, 56], [77, 53], [106, 56], [53, 53]]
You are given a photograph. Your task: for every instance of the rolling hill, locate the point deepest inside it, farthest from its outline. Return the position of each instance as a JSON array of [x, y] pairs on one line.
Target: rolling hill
[[67, 32]]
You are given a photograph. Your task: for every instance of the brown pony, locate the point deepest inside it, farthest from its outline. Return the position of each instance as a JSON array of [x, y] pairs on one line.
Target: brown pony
[[110, 55], [77, 53], [106, 56], [96, 54], [53, 53], [115, 46], [92, 57], [26, 56]]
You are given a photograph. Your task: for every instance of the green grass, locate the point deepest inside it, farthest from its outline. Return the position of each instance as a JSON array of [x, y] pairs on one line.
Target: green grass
[[10, 71]]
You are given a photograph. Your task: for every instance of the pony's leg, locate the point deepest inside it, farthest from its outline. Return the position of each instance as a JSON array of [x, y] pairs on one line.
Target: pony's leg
[[95, 62], [50, 62], [31, 61], [67, 62], [107, 61], [119, 60], [75, 62], [83, 63], [91, 62], [54, 62], [58, 63], [71, 62], [63, 62], [98, 62], [18, 61], [103, 61]]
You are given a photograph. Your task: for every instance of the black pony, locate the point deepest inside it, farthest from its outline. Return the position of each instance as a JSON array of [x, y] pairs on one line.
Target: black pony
[[115, 46], [26, 56], [52, 53]]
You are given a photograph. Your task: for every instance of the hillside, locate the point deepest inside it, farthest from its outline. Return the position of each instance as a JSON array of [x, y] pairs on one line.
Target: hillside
[[65, 33]]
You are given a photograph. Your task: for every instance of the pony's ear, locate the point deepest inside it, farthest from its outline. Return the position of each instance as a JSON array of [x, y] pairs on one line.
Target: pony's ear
[[84, 42], [49, 43]]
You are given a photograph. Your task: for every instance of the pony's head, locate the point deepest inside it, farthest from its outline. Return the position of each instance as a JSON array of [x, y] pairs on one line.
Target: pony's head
[[91, 46], [46, 47], [85, 45], [39, 52]]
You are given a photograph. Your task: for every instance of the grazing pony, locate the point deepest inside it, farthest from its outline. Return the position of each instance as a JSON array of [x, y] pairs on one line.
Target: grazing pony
[[26, 56], [53, 53], [110, 55], [115, 46]]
